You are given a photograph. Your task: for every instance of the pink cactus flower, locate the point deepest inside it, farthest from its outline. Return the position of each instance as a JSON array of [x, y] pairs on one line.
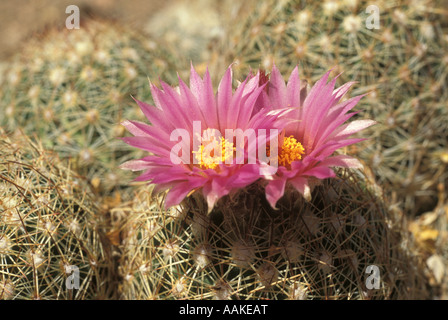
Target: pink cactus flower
[[187, 145], [308, 145]]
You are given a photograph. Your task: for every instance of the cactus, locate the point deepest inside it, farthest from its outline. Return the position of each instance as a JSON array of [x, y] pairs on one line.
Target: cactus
[[246, 250], [51, 239], [73, 88], [189, 26], [430, 231], [402, 67], [192, 27]]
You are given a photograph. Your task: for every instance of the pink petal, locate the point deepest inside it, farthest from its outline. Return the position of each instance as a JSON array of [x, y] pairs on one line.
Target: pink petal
[[320, 172], [314, 94], [246, 108], [322, 105], [293, 89], [351, 128], [212, 198], [172, 110], [155, 116], [275, 190], [182, 115], [141, 129], [327, 149], [342, 90], [190, 102], [133, 128], [329, 126], [155, 95], [209, 101], [196, 85], [235, 105], [178, 193], [149, 144], [277, 89], [342, 108], [244, 176], [224, 97], [341, 161], [203, 91], [170, 175], [135, 165], [315, 109], [252, 84], [211, 195], [301, 184]]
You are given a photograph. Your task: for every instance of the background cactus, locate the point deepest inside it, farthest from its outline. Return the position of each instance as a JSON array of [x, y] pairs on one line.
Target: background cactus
[[401, 65], [189, 26], [73, 88], [194, 27], [49, 221], [246, 250], [430, 231]]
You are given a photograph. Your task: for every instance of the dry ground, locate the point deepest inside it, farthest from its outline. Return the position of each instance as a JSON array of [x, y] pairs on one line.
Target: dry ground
[[19, 19]]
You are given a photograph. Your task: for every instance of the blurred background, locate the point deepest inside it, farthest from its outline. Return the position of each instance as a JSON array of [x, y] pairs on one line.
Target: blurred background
[[20, 19]]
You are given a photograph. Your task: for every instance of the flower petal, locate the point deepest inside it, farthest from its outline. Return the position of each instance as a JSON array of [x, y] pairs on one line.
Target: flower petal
[[178, 193], [203, 91], [320, 172], [351, 128], [275, 190], [149, 144], [224, 97], [135, 165], [277, 89], [342, 161], [301, 184], [293, 89], [155, 116]]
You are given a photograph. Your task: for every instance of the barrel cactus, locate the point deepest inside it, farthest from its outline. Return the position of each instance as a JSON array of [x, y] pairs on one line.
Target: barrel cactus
[[51, 234], [244, 249], [72, 88], [401, 65]]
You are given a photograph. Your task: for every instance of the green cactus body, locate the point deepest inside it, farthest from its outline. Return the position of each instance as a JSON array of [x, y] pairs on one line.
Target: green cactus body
[[51, 243], [401, 67], [246, 250], [73, 88]]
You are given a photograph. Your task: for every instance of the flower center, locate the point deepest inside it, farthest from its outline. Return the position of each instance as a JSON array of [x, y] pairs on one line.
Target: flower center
[[213, 152], [290, 151]]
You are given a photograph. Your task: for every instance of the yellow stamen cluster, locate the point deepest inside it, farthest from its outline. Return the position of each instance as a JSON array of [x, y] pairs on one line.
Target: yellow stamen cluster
[[207, 158], [291, 150]]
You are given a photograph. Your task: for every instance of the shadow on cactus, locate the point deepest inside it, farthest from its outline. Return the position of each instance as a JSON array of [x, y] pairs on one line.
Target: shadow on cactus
[[51, 241], [246, 250]]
